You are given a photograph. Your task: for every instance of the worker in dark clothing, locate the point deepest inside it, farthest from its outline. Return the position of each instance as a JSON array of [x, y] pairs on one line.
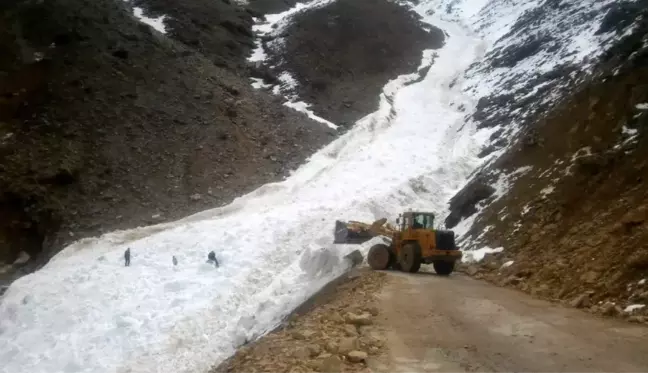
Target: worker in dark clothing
[[211, 258], [127, 256]]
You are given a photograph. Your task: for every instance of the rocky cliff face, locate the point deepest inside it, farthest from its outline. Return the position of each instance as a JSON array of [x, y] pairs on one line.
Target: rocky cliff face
[[567, 199]]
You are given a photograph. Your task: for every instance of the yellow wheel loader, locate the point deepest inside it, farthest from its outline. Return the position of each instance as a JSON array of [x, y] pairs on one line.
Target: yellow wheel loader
[[413, 242]]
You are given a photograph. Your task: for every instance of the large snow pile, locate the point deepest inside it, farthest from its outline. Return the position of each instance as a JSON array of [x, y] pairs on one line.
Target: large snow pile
[[86, 312]]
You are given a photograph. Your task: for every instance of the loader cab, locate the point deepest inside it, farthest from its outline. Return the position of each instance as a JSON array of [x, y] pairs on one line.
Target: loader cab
[[416, 220]]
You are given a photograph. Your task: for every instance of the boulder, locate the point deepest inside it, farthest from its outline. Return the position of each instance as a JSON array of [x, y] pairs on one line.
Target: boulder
[[373, 311], [336, 318], [472, 270], [642, 297], [609, 309], [301, 353], [314, 350], [330, 364], [364, 319], [581, 301], [357, 356], [637, 319], [331, 347], [302, 334], [347, 345], [512, 280], [355, 258], [589, 277], [350, 331]]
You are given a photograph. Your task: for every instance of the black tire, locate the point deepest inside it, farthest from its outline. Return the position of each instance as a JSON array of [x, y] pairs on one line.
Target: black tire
[[410, 257], [443, 268], [378, 257]]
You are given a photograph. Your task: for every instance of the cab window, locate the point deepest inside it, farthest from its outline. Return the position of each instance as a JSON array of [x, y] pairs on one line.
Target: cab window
[[423, 222]]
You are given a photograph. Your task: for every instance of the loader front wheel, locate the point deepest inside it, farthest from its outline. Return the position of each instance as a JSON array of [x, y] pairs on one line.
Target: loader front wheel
[[410, 258], [378, 257], [443, 268]]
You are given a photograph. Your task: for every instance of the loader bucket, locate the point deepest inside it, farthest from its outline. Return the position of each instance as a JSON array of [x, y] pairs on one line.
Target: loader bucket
[[343, 235]]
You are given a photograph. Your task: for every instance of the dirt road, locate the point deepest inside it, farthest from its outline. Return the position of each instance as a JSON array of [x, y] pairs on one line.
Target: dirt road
[[442, 324]]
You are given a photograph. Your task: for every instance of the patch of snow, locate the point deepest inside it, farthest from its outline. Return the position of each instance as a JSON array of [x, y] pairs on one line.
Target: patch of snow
[[641, 282], [258, 53], [474, 256], [522, 170], [628, 131], [301, 106], [258, 83], [156, 23], [288, 84], [276, 23], [547, 190], [582, 152], [642, 106], [631, 134], [6, 137], [633, 307], [507, 264]]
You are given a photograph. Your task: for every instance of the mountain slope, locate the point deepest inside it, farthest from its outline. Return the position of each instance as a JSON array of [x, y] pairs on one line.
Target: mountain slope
[[274, 244], [573, 223]]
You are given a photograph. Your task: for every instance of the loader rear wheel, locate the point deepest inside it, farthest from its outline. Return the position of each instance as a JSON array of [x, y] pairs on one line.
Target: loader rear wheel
[[443, 268], [378, 257], [410, 258]]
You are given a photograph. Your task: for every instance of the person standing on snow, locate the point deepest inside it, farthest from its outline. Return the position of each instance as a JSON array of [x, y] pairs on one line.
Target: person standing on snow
[[211, 258]]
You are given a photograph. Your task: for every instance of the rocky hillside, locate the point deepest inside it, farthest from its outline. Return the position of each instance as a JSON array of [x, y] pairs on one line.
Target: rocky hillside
[[566, 200], [339, 56], [106, 123]]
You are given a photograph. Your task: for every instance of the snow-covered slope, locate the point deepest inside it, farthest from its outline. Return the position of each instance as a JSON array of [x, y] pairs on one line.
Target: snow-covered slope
[[86, 312]]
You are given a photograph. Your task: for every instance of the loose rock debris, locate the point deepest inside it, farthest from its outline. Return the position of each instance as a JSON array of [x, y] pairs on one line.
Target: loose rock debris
[[339, 336]]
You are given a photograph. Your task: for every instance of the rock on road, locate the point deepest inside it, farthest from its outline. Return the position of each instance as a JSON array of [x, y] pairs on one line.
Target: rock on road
[[456, 323]]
